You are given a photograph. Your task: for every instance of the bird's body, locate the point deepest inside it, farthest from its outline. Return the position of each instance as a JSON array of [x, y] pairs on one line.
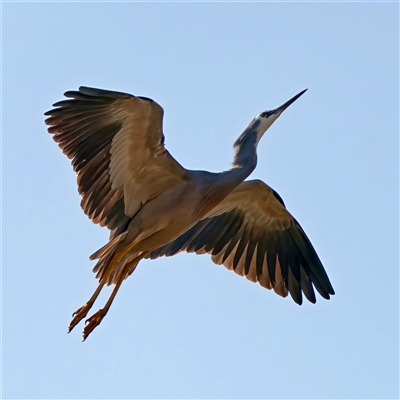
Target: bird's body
[[154, 207]]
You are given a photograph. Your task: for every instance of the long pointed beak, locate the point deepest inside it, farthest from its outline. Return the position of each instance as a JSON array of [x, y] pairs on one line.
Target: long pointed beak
[[284, 106]]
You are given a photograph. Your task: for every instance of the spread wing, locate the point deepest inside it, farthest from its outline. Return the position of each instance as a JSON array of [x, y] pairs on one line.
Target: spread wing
[[116, 144], [252, 233]]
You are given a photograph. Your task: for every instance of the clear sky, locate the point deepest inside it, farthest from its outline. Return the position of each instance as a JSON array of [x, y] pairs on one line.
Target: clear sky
[[183, 327]]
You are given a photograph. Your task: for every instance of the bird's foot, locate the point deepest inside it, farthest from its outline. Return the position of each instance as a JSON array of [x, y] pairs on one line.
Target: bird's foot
[[78, 316], [92, 322]]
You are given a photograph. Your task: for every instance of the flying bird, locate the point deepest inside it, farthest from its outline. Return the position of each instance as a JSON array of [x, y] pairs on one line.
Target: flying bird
[[155, 207]]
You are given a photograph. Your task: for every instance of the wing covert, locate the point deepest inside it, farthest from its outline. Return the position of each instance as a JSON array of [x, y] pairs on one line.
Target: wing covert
[[116, 144], [252, 233]]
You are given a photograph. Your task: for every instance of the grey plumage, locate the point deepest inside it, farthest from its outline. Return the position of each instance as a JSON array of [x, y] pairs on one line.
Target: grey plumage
[[154, 207]]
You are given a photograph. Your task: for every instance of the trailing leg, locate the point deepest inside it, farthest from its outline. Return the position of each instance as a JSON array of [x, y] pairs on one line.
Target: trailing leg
[[97, 317]]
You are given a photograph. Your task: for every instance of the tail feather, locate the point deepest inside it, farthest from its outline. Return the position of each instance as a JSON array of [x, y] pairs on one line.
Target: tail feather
[[107, 247], [105, 255], [101, 267]]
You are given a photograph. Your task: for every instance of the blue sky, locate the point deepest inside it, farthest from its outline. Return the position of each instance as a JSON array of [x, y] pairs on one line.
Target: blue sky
[[183, 327]]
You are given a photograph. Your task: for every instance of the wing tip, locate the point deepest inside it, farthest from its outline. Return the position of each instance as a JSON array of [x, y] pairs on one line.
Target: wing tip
[[90, 91]]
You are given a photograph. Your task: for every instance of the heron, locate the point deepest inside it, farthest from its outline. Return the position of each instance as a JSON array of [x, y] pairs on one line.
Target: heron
[[155, 207]]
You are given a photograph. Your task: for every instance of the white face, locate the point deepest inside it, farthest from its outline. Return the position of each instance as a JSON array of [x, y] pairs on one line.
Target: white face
[[265, 122]]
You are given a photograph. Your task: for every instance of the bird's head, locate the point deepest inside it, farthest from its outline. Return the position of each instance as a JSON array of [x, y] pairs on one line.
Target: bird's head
[[263, 121], [267, 118]]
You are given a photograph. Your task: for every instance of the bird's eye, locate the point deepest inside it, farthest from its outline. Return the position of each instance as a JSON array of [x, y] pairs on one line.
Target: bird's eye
[[267, 114]]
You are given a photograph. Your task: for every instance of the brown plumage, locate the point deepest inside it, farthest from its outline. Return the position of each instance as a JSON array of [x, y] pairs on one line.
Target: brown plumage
[[154, 207]]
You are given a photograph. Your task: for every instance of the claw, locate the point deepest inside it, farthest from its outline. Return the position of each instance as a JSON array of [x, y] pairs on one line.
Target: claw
[[92, 322], [78, 316]]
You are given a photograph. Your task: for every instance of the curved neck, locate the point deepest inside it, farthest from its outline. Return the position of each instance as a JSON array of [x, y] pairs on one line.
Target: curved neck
[[245, 160], [216, 186]]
